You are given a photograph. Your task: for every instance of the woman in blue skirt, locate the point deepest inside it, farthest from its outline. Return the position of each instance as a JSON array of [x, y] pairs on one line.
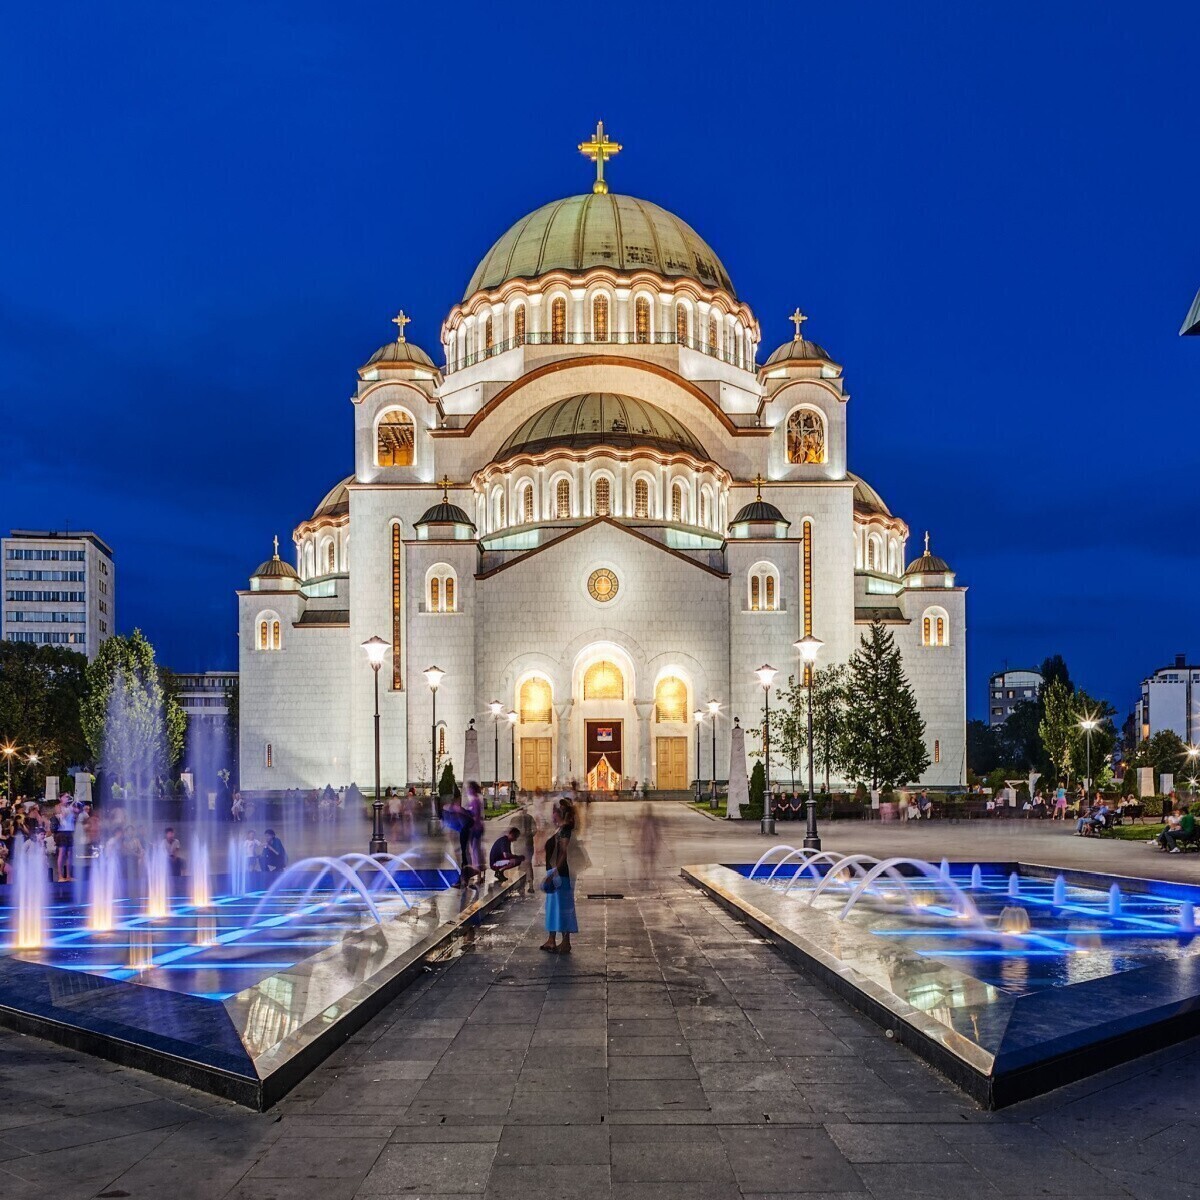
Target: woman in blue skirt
[[558, 884]]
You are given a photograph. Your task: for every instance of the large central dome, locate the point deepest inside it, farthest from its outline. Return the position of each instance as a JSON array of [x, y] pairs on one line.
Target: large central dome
[[600, 230], [600, 419]]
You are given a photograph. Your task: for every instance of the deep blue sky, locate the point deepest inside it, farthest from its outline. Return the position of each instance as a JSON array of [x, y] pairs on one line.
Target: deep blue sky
[[209, 213]]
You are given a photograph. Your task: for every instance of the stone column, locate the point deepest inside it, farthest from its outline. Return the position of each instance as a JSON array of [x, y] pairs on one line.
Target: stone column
[[644, 709], [565, 731]]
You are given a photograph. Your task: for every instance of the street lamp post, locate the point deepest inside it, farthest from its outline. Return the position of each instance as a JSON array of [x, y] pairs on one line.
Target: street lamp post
[[8, 751], [766, 676], [1088, 724], [512, 754], [698, 717], [713, 708], [377, 649], [809, 647], [433, 677], [496, 708]]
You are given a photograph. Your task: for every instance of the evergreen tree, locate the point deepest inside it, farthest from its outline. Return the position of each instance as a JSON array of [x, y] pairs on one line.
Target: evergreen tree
[[883, 734], [134, 729]]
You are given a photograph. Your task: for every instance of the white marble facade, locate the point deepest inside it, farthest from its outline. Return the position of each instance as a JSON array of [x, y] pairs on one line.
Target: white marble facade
[[597, 429]]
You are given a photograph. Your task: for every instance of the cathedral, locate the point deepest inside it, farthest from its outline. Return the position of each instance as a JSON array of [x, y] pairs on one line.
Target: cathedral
[[584, 533]]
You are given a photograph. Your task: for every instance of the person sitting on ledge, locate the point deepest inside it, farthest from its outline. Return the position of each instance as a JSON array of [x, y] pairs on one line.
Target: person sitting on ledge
[[1093, 821], [501, 857], [1180, 825]]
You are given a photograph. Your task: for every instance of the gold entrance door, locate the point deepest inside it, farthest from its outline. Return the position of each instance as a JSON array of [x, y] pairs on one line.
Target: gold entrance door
[[671, 762], [535, 763]]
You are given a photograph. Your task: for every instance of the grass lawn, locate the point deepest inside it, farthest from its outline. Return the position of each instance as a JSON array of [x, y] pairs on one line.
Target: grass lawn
[[1135, 833]]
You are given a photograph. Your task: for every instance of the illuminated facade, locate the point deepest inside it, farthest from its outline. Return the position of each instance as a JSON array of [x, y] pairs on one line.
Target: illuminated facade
[[602, 511]]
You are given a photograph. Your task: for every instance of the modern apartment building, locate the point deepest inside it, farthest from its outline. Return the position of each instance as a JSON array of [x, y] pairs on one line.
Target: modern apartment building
[[59, 589], [1006, 689], [1171, 700]]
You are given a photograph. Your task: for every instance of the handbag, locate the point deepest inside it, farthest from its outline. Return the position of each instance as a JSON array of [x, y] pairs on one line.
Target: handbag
[[551, 881]]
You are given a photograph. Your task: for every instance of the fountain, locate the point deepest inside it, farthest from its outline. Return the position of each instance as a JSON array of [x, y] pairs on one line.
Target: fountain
[[945, 868], [964, 908], [1114, 900], [1014, 885], [158, 882], [238, 867], [976, 877], [1187, 917], [102, 893], [1013, 919], [1059, 895], [201, 891], [31, 883]]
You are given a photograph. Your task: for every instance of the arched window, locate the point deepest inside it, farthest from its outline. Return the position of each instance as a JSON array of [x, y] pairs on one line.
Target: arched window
[[764, 587], [269, 633], [641, 498], [488, 340], [600, 318], [893, 557], [677, 504], [604, 681], [330, 558], [518, 325], [562, 499], [705, 506], [527, 503], [441, 742], [806, 436], [641, 319], [935, 627], [712, 335], [500, 513], [602, 497], [394, 439], [872, 552], [441, 586], [558, 320], [671, 699], [681, 324], [535, 701]]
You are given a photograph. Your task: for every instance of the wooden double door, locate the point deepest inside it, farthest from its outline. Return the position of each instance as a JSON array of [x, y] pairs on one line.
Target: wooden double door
[[536, 762], [670, 761]]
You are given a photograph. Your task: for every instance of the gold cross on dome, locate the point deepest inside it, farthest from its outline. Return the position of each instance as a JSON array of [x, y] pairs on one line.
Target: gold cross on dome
[[798, 318], [599, 150], [927, 541], [277, 545], [444, 483], [758, 481], [400, 320]]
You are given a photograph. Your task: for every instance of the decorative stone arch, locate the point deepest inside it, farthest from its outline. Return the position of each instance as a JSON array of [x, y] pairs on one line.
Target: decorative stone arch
[[600, 312], [762, 588], [678, 500], [441, 589], [893, 557], [875, 553], [558, 316], [526, 507], [643, 303], [684, 311], [394, 436], [707, 516], [595, 493], [327, 554], [806, 435], [642, 478], [497, 507], [554, 496], [308, 558], [935, 627], [268, 631]]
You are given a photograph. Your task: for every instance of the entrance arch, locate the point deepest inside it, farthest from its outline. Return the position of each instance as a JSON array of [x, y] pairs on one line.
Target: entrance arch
[[605, 736]]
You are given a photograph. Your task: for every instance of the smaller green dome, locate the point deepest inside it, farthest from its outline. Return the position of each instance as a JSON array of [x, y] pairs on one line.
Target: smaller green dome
[[759, 510], [797, 350], [445, 513], [401, 353]]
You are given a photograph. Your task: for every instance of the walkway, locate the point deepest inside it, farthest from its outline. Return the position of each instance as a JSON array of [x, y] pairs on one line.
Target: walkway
[[673, 1055]]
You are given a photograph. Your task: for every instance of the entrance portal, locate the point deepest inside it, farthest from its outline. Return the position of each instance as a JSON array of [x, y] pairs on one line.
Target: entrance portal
[[604, 740], [536, 763], [671, 773]]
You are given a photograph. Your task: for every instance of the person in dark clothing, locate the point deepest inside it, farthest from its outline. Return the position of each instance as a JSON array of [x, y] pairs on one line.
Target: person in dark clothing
[[501, 857], [273, 856]]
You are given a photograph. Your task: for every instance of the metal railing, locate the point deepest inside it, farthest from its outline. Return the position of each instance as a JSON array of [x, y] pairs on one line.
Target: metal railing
[[589, 339]]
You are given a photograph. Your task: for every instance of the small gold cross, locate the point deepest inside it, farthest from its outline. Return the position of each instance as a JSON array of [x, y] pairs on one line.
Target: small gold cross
[[400, 320], [599, 149], [758, 481], [798, 318], [277, 545], [444, 483]]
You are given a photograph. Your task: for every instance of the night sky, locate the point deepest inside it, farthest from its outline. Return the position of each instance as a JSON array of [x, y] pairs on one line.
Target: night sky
[[210, 212]]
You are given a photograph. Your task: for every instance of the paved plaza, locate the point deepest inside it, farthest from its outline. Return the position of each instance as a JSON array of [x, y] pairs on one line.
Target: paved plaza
[[674, 1054]]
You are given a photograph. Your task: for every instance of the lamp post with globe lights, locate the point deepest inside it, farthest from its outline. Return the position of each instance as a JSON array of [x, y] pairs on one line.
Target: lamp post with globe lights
[[1087, 725], [714, 707], [766, 676], [496, 709], [433, 677], [809, 647], [376, 649], [698, 717], [9, 750], [512, 754]]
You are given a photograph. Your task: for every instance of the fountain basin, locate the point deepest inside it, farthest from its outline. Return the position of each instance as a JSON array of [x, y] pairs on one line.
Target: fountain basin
[[1004, 1014]]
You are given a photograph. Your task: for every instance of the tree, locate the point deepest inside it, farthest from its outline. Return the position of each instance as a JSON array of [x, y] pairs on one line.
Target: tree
[[757, 791], [983, 750], [135, 731], [1165, 752], [1018, 740], [40, 691], [789, 726], [1055, 668], [829, 708], [1059, 727], [883, 735]]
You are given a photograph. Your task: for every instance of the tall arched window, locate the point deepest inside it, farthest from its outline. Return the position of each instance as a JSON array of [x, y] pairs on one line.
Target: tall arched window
[[681, 324], [602, 497], [519, 324], [435, 594], [872, 553], [269, 635], [441, 589], [641, 498], [677, 502], [527, 503], [450, 594], [935, 627], [441, 742], [769, 596], [535, 700], [330, 558], [806, 436], [705, 502], [558, 320], [488, 339], [937, 750], [764, 587], [641, 319], [755, 593], [604, 681], [671, 699], [394, 439], [562, 499], [600, 318], [712, 335]]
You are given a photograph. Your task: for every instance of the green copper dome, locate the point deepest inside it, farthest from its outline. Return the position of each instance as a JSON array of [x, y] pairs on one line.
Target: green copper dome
[[600, 230], [600, 419]]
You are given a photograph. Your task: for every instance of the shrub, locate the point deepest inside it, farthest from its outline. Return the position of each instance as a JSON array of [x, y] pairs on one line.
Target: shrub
[[446, 783]]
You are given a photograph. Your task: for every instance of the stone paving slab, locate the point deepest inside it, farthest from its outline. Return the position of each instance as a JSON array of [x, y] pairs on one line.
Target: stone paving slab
[[673, 1055]]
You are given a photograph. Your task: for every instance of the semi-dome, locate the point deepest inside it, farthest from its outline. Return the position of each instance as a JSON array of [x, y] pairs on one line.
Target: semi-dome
[[866, 499], [336, 502], [600, 230], [401, 352], [600, 419]]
